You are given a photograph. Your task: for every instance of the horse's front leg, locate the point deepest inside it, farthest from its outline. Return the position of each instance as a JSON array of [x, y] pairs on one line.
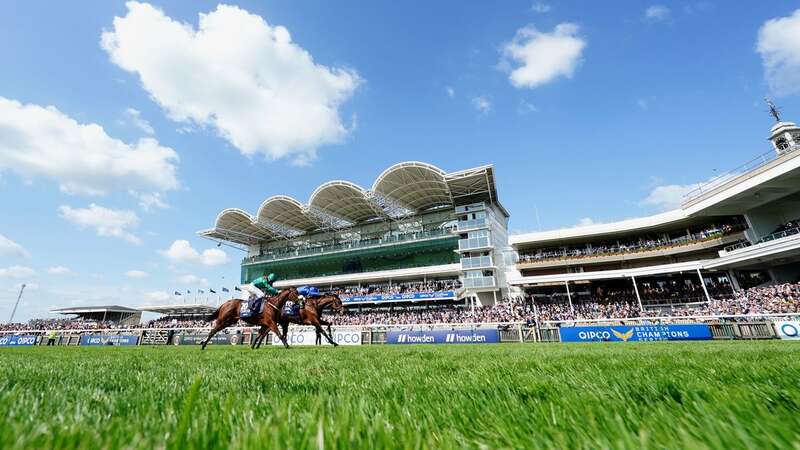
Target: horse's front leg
[[319, 330], [326, 324], [275, 329]]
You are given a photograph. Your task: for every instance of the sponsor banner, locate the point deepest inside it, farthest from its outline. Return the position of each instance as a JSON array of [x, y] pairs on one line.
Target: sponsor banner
[[109, 339], [787, 329], [17, 341], [479, 336], [440, 295], [308, 337], [635, 333], [218, 339]]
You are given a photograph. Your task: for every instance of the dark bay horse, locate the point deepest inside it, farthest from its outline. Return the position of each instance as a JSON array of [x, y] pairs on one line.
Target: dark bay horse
[[311, 314], [228, 314]]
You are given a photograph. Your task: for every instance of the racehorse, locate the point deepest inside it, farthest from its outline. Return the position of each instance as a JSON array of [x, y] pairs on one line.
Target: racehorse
[[311, 314], [228, 314]]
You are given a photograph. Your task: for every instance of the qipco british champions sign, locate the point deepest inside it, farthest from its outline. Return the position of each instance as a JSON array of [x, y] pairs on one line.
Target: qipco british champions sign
[[693, 332]]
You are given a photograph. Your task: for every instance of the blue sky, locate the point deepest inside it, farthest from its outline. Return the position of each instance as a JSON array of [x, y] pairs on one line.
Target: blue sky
[[589, 112]]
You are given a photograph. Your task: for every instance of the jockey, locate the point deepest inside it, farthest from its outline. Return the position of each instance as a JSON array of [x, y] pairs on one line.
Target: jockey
[[304, 292], [258, 289]]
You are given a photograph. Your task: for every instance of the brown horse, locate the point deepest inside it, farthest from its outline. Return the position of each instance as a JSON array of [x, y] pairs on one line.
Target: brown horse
[[228, 314], [311, 314]]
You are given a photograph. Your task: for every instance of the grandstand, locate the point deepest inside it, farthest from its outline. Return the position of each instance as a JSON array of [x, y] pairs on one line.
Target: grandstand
[[114, 314], [737, 231], [417, 226], [423, 246], [421, 238]]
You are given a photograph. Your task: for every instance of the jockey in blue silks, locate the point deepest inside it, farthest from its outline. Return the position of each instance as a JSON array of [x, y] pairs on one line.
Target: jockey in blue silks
[[304, 292]]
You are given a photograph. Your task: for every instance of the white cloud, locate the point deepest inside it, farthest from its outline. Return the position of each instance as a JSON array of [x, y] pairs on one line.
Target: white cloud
[[779, 47], [542, 57], [192, 279], [540, 7], [136, 274], [657, 13], [698, 7], [60, 270], [44, 142], [181, 251], [668, 196], [585, 222], [526, 107], [236, 73], [450, 91], [17, 272], [106, 222], [482, 104], [149, 200], [11, 248], [157, 296], [134, 117]]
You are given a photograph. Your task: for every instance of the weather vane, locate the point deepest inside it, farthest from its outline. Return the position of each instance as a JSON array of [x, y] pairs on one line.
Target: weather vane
[[776, 113]]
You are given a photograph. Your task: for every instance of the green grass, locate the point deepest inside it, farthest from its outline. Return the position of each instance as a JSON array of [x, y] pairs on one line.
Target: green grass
[[635, 395]]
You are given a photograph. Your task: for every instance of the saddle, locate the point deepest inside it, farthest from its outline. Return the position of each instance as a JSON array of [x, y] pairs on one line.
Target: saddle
[[291, 309], [252, 307]]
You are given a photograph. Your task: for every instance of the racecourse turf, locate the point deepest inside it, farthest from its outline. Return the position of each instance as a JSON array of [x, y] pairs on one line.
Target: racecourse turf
[[612, 395]]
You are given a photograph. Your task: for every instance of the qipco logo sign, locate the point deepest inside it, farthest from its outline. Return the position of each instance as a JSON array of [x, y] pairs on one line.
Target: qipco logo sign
[[10, 341], [788, 330], [593, 335]]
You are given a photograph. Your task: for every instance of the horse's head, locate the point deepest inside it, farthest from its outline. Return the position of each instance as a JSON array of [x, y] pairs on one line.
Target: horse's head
[[330, 300], [336, 303]]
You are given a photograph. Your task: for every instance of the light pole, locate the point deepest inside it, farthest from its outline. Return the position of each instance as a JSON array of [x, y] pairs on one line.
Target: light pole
[[19, 297]]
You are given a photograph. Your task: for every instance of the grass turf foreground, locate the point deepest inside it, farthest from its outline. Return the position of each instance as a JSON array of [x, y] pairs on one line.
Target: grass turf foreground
[[635, 395]]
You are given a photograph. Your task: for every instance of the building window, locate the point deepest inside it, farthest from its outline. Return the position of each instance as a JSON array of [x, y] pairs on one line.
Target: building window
[[782, 144]]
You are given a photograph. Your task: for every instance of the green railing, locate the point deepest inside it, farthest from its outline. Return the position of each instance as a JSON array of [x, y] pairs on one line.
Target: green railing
[[347, 246]]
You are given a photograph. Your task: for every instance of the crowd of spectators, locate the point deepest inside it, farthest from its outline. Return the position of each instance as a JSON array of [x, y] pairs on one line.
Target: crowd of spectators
[[58, 324], [172, 322], [400, 288], [633, 245], [790, 225], [775, 299], [509, 311]]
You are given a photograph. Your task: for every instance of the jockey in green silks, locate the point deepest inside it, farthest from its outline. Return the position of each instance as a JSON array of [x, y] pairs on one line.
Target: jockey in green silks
[[258, 289]]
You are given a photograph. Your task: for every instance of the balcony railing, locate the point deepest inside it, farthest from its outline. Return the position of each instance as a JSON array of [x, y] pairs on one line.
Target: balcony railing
[[472, 223], [633, 248], [345, 246], [479, 282], [768, 238], [476, 262], [755, 163], [471, 243]]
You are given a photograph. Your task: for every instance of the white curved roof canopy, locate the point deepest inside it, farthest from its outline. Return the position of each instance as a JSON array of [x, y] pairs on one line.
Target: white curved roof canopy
[[402, 189], [344, 200], [285, 211], [415, 185], [236, 225]]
